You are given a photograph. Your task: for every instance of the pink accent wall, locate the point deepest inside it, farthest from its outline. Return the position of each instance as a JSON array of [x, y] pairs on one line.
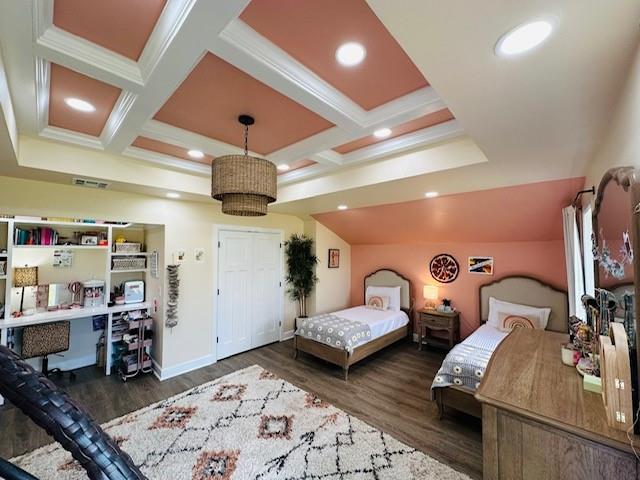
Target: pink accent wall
[[543, 260]]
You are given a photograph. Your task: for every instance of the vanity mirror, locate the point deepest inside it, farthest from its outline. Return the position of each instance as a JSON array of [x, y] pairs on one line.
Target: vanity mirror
[[615, 242]]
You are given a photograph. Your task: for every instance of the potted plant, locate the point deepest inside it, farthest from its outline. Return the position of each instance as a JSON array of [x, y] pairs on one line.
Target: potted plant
[[301, 276]]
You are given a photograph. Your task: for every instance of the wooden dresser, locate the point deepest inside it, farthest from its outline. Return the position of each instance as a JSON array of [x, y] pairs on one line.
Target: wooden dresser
[[539, 423]]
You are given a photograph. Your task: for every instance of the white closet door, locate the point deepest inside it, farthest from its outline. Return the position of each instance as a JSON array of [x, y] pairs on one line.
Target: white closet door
[[249, 298], [235, 269], [266, 298]]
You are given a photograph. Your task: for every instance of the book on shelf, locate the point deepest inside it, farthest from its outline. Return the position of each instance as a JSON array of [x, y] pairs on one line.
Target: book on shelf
[[35, 236]]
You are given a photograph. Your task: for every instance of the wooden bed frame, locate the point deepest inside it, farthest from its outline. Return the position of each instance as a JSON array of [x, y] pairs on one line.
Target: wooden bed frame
[[384, 277], [516, 289]]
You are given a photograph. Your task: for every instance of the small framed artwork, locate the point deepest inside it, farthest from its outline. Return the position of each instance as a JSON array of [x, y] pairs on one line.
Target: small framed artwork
[[481, 265], [198, 254], [334, 258]]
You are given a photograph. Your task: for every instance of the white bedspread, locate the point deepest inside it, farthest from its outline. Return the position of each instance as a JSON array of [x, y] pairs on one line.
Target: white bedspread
[[380, 322]]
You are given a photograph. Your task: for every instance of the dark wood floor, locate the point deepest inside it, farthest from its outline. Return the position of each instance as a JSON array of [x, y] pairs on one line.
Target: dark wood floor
[[388, 390]]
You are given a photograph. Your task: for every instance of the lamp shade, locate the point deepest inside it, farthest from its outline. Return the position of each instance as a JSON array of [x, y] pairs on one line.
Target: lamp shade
[[430, 292]]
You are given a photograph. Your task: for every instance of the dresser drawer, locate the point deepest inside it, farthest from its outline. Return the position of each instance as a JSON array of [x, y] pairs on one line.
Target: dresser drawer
[[433, 321]]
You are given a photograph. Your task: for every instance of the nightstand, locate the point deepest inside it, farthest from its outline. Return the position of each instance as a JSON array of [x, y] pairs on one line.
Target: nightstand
[[440, 329]]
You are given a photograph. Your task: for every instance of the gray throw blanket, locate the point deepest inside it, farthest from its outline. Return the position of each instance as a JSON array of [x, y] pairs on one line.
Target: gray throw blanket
[[334, 331], [464, 366]]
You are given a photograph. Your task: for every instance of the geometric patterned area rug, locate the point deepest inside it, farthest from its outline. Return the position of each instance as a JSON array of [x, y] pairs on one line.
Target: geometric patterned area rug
[[249, 425]]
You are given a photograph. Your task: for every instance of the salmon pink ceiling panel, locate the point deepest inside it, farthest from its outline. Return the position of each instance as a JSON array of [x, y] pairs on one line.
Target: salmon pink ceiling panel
[[530, 212], [122, 26], [429, 120], [312, 31], [209, 101], [297, 165], [66, 84], [168, 149]]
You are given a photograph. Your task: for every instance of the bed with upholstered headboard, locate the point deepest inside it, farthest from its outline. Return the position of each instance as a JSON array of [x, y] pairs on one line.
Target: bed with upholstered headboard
[[517, 289], [385, 327]]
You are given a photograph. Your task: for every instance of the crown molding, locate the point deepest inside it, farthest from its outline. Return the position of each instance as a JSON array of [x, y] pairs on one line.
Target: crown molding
[[42, 80], [303, 173], [168, 161], [90, 59], [123, 106], [163, 132], [245, 48], [68, 136], [42, 17], [173, 17], [420, 138]]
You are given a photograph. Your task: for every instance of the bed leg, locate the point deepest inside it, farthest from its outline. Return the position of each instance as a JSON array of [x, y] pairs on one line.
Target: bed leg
[[346, 373], [295, 348], [440, 404]]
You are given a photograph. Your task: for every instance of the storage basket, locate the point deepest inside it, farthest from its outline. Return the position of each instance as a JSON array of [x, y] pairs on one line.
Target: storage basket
[[132, 263], [127, 247]]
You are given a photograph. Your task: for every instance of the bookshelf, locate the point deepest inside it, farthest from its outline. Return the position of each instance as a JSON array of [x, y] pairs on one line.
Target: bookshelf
[[32, 241]]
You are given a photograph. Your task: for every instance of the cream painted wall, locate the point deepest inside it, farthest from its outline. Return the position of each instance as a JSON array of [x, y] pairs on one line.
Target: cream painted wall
[[334, 284], [621, 145], [187, 225]]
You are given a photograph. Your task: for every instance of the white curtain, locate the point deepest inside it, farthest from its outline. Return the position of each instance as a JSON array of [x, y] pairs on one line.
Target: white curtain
[[573, 256], [587, 245]]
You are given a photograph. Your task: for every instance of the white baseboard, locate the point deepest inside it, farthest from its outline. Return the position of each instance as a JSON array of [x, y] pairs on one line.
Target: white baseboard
[[164, 373], [288, 335]]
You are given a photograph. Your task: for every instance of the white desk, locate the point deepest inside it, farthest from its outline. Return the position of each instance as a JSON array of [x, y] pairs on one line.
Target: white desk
[[72, 314]]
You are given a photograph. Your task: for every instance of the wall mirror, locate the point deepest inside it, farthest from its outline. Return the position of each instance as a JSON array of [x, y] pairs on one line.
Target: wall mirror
[[613, 239], [615, 242]]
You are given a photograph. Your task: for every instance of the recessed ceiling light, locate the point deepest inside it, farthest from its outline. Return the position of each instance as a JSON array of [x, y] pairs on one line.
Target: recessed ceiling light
[[80, 105], [342, 207], [350, 54], [524, 37], [382, 132], [283, 167], [431, 194], [195, 154], [173, 195]]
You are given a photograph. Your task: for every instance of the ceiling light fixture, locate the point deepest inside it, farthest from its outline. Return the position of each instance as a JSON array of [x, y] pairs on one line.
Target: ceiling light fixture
[[244, 184], [80, 105], [342, 207], [382, 133], [173, 195], [350, 54], [283, 167], [197, 154], [431, 194], [524, 37]]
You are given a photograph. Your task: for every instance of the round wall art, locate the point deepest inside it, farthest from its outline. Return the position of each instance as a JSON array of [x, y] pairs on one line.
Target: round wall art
[[444, 268]]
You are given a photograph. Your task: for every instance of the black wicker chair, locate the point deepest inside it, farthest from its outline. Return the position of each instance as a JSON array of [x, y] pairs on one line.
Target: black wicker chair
[[67, 422]]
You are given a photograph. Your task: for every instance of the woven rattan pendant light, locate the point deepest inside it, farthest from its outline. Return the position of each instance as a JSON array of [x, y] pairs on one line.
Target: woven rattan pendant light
[[244, 184]]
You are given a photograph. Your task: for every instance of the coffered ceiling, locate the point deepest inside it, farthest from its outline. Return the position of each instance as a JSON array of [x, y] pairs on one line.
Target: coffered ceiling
[[164, 77], [167, 77]]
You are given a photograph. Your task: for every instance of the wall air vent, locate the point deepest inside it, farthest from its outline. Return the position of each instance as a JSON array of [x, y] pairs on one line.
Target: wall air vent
[[85, 182]]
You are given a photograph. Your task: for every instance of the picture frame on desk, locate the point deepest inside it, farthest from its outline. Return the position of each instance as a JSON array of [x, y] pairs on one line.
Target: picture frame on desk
[[89, 240]]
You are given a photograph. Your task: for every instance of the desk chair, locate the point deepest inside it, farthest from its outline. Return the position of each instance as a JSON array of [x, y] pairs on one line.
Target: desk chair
[[44, 340]]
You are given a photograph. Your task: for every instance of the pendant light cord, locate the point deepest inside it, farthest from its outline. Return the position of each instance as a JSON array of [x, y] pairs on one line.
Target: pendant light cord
[[246, 140]]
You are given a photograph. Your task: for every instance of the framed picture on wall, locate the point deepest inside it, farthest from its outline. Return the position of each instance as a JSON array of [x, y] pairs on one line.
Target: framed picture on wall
[[481, 265], [334, 258]]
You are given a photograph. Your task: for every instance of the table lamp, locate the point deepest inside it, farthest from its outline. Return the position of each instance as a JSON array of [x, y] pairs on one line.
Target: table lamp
[[430, 293], [25, 277]]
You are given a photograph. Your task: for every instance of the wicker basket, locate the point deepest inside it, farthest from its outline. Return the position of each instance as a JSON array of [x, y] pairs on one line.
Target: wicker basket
[[128, 247], [133, 263]]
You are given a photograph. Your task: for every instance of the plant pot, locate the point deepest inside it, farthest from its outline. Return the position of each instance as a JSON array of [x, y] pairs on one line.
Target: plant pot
[[299, 320]]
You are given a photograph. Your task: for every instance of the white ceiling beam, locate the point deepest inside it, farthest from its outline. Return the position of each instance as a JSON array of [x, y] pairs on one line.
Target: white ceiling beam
[[393, 146], [180, 55], [168, 161], [166, 133]]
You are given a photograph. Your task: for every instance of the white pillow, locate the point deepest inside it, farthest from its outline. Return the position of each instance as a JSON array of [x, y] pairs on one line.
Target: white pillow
[[392, 292], [378, 302], [498, 307]]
